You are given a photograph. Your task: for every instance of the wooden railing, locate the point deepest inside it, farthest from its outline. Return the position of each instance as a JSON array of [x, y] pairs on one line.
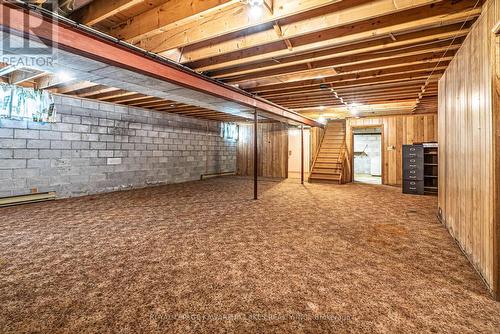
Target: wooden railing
[[316, 153], [345, 162]]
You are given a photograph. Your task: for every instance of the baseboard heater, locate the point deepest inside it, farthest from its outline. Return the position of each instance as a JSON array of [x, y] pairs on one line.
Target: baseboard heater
[[209, 176], [25, 199]]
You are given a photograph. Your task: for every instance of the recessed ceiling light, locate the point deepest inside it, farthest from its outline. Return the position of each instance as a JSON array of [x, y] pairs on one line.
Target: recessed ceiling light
[[255, 3]]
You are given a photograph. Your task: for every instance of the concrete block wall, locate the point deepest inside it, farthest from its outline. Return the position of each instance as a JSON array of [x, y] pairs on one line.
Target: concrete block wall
[[100, 147]]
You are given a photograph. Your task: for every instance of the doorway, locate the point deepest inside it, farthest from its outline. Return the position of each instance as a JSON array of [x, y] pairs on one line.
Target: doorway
[[367, 147], [294, 153]]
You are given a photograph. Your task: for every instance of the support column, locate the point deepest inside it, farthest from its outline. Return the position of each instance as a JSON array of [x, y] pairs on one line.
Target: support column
[[255, 156], [302, 154]]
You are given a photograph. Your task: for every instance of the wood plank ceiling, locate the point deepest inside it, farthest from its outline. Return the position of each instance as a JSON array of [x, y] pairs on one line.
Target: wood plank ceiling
[[334, 57]]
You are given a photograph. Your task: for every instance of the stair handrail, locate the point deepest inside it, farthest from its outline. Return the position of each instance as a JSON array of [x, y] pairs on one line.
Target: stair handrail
[[344, 161], [317, 152]]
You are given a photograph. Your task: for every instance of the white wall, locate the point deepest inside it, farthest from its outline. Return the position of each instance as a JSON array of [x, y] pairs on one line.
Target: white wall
[[294, 150]]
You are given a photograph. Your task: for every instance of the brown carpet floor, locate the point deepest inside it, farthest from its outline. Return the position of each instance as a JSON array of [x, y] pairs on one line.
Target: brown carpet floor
[[203, 257]]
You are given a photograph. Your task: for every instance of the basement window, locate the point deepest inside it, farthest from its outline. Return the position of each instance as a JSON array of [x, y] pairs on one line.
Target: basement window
[[229, 131], [20, 103]]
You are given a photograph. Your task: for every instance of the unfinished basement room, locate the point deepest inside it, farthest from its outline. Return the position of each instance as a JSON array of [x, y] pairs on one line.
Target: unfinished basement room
[[250, 166]]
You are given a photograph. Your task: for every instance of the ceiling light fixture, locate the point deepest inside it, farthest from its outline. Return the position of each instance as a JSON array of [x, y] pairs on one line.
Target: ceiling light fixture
[[353, 108], [256, 7], [255, 3]]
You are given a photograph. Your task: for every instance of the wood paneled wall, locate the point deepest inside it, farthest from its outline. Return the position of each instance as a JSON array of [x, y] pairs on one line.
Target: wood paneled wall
[[467, 169], [272, 150], [397, 131], [496, 151]]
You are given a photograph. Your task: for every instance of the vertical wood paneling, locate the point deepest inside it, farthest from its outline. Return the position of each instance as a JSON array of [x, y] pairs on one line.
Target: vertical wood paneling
[[397, 131], [272, 150], [466, 169], [496, 149]]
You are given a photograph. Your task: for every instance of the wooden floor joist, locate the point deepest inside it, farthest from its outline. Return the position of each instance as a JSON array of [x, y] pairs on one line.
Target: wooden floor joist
[[294, 52], [93, 46]]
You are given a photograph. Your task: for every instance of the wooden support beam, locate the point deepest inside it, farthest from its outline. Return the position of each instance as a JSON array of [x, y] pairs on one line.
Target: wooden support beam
[[390, 57], [347, 21], [232, 20], [21, 76], [395, 79], [411, 39], [6, 70], [269, 4], [336, 37], [69, 88], [161, 18], [124, 99], [95, 92], [279, 32], [405, 70], [100, 10], [50, 81], [85, 44], [119, 93]]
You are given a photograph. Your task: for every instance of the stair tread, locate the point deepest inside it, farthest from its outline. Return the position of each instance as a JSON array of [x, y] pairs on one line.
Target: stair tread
[[327, 167], [326, 172], [325, 178]]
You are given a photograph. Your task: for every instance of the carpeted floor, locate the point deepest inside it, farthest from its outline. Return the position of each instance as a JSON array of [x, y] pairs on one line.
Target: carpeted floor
[[203, 257]]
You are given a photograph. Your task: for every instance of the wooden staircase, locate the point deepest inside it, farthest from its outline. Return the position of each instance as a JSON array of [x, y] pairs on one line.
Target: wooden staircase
[[328, 164]]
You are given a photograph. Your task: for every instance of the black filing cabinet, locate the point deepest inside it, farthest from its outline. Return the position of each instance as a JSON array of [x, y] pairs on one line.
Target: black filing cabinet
[[420, 169], [413, 169]]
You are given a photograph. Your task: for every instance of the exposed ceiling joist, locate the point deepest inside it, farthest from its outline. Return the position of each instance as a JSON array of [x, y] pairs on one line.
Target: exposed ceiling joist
[[404, 42], [347, 21], [7, 69], [298, 54], [388, 57], [50, 81], [162, 17], [69, 88], [99, 10], [232, 20], [24, 75]]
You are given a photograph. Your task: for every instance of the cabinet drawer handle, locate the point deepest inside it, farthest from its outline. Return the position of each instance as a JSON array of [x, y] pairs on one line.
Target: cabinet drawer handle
[[413, 160], [413, 188], [413, 183]]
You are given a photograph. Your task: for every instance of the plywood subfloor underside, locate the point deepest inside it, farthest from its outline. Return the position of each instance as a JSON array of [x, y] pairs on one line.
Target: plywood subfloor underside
[[320, 258]]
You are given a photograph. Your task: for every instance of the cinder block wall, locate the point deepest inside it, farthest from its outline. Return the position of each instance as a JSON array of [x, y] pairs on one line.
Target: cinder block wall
[[99, 147]]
